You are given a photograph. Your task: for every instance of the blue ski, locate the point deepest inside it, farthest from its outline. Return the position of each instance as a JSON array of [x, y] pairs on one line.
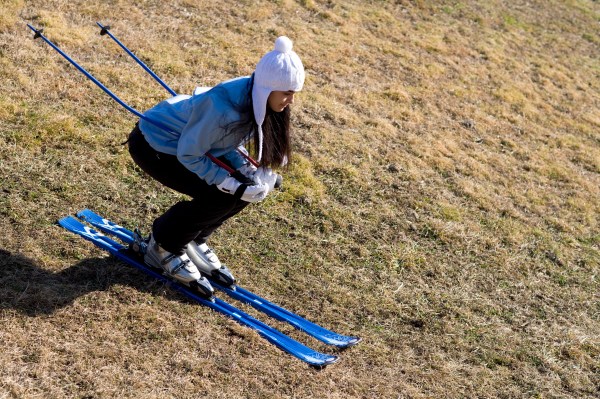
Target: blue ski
[[272, 335], [237, 292]]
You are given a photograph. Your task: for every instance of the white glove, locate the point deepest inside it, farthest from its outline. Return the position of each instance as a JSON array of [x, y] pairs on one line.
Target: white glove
[[246, 191], [266, 176], [247, 170], [255, 193]]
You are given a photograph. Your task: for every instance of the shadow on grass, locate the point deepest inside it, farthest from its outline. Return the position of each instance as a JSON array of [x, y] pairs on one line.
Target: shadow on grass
[[31, 290]]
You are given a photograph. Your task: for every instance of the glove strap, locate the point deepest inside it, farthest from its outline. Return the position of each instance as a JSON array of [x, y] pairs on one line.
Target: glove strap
[[239, 176], [240, 191]]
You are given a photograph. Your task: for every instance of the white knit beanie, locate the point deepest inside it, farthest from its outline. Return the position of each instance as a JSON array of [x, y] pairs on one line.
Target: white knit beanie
[[279, 70]]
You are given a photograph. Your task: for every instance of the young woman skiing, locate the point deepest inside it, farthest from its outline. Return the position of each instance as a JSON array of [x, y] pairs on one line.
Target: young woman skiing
[[178, 140]]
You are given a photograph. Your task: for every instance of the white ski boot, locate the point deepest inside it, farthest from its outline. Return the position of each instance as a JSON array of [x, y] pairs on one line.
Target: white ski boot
[[177, 266], [207, 262]]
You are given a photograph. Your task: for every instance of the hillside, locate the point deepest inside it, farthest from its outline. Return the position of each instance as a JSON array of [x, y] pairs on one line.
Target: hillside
[[442, 202]]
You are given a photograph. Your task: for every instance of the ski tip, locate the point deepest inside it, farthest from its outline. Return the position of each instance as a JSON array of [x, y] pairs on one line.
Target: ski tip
[[353, 341], [324, 362]]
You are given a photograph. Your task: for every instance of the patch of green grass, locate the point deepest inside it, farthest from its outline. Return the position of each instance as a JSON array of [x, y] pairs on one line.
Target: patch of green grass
[[301, 183], [450, 213]]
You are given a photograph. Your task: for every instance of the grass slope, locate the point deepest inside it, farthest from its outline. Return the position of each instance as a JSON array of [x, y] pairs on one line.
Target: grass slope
[[443, 203]]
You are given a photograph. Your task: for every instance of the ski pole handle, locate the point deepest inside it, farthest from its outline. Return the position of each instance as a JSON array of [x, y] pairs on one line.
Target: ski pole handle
[[217, 161], [278, 181]]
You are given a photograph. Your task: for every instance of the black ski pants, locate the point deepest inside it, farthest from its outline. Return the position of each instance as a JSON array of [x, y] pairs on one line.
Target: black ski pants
[[185, 221]]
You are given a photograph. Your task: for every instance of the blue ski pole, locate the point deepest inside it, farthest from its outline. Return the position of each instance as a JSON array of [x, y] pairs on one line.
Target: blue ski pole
[[105, 30], [38, 33]]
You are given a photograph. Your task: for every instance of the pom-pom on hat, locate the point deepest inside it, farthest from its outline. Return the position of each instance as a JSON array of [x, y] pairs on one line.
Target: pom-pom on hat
[[279, 70]]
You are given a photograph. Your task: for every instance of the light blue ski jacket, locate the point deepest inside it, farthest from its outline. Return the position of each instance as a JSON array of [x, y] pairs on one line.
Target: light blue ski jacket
[[191, 126]]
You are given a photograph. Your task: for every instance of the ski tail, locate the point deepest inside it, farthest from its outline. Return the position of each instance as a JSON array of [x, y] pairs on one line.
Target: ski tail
[[106, 225]]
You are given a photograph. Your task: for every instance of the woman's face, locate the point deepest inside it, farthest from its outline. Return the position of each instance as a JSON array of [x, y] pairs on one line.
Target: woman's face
[[278, 100]]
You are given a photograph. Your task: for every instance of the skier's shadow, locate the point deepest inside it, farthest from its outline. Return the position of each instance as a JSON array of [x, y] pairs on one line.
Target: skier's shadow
[[31, 290]]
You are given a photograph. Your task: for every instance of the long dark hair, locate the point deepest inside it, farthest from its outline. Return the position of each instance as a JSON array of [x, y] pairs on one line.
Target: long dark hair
[[276, 138], [276, 131]]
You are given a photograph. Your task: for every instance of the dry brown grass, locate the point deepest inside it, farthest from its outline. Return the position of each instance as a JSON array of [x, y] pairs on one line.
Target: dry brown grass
[[444, 204]]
